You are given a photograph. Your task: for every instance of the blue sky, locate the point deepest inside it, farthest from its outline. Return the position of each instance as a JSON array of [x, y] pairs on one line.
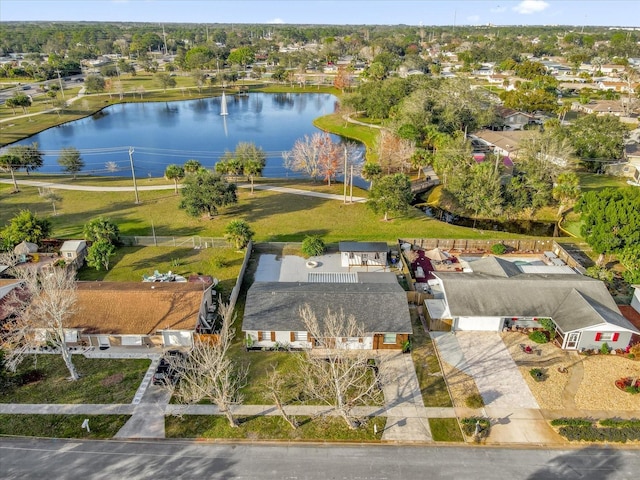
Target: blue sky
[[369, 12]]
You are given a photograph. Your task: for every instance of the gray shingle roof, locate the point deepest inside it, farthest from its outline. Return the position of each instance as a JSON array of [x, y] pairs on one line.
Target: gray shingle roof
[[363, 247], [275, 306], [495, 266], [532, 295]]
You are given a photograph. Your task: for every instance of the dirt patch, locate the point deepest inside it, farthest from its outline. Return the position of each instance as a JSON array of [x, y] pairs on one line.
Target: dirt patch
[[112, 380], [460, 384]]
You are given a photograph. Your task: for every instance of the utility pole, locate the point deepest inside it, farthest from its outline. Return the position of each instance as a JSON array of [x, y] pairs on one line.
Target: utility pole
[[60, 81], [164, 37], [133, 174], [345, 174], [351, 185]]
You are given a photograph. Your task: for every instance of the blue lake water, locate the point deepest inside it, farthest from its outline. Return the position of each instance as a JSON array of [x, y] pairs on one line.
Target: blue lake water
[[163, 133]]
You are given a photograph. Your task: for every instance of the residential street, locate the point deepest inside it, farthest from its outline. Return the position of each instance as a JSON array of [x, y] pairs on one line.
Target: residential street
[[62, 459]]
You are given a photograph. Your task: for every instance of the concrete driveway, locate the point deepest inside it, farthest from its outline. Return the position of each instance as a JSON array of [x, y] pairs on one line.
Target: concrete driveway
[[484, 356]]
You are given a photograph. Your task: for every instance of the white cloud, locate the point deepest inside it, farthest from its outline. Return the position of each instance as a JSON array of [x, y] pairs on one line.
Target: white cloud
[[473, 18], [276, 20], [527, 7]]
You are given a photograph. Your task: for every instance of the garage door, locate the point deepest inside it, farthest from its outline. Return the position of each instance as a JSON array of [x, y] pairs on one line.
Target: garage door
[[490, 324]]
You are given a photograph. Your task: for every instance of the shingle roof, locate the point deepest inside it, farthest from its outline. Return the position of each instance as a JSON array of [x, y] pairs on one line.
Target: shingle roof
[[496, 266], [275, 306], [532, 295], [136, 307]]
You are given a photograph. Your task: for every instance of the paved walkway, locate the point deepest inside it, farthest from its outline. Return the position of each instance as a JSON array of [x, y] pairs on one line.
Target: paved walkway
[[146, 188]]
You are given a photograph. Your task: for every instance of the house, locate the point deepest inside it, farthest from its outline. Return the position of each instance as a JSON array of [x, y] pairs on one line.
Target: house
[[138, 313], [632, 312], [600, 107], [512, 119], [74, 251], [377, 301], [360, 254], [498, 295], [505, 143]]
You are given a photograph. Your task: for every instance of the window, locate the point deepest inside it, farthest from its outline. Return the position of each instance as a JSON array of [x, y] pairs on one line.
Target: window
[[351, 255], [265, 336], [301, 337], [377, 256], [389, 338], [69, 254], [607, 336]]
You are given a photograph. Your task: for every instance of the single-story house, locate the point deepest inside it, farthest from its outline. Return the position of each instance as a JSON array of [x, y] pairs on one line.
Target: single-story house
[[379, 304], [74, 251], [498, 295], [513, 119], [362, 254], [139, 313], [505, 143]]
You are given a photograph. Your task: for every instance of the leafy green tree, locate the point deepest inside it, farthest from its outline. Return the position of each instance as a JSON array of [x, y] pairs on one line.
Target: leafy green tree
[[71, 161], [19, 100], [391, 194], [241, 56], [371, 171], [198, 57], [313, 245], [101, 228], [239, 233], [164, 80], [99, 253], [610, 219], [94, 84], [566, 190], [630, 259], [598, 140], [30, 156], [10, 162], [206, 192], [192, 166], [25, 226], [174, 172]]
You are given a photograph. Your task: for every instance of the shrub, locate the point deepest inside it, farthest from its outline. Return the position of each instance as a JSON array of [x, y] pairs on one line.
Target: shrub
[[538, 337], [605, 349], [474, 400], [575, 422], [469, 426], [538, 374], [312, 245], [499, 249], [616, 422], [548, 325]]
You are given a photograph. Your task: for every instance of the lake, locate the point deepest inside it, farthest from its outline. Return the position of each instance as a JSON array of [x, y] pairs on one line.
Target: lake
[[162, 133]]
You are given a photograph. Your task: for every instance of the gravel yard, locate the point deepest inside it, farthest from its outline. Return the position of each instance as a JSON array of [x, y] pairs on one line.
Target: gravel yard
[[595, 386]]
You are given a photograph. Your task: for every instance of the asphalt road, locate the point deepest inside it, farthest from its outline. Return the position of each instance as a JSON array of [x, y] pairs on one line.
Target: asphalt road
[[78, 459]]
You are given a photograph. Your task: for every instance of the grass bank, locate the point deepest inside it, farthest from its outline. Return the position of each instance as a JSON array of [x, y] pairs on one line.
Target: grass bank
[[45, 380], [271, 428], [61, 426]]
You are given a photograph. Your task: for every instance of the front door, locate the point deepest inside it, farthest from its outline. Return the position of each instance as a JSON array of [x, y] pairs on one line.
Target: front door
[[572, 340]]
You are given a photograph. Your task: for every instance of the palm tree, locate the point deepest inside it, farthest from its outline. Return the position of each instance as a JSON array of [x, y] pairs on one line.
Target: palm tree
[[174, 172], [251, 169], [192, 166], [239, 232], [371, 171]]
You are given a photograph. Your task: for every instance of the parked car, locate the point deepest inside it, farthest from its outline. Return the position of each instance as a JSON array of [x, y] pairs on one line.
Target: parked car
[[166, 373]]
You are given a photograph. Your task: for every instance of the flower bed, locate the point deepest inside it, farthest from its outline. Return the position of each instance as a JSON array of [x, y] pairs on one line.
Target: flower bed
[[628, 384]]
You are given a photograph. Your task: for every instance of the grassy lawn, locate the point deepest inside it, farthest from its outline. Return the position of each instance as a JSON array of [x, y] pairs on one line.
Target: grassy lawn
[[102, 381], [594, 181], [274, 216], [61, 426], [131, 263], [445, 430], [271, 428], [432, 384]]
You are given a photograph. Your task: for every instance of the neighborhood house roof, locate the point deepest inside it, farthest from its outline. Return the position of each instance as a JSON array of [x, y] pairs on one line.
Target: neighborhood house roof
[[573, 301], [363, 247], [136, 307], [275, 306], [73, 245]]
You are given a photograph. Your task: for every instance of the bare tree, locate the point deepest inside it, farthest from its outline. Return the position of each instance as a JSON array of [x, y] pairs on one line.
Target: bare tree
[[208, 372], [316, 156], [338, 376], [273, 386], [41, 307], [394, 153]]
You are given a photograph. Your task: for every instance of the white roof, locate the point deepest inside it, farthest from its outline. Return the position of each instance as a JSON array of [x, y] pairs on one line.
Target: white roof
[[73, 245]]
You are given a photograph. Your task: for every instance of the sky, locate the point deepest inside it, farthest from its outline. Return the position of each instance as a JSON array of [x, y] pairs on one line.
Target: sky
[[340, 12]]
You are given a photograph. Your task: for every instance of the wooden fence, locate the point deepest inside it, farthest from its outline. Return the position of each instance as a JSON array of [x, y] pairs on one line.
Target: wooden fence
[[480, 245]]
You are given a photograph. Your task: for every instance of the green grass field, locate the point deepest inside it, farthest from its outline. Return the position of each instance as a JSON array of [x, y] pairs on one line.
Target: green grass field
[[101, 380], [271, 428], [61, 426], [445, 430]]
